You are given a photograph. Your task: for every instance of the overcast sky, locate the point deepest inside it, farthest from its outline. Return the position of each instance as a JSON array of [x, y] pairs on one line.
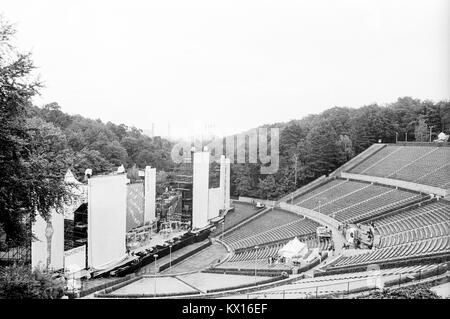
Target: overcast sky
[[232, 65]]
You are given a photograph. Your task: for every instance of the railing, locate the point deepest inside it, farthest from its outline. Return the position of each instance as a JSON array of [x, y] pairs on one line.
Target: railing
[[349, 287]]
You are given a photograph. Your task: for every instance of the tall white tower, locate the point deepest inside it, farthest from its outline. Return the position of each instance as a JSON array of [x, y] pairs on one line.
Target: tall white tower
[[200, 190], [227, 183], [149, 194]]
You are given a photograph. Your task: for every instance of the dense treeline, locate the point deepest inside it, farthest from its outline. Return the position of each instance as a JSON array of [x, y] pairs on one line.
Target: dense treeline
[[102, 147], [318, 144]]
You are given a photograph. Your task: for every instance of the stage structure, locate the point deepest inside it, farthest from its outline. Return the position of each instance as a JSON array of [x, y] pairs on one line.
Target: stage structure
[[209, 202], [150, 195], [200, 190], [225, 167], [135, 205], [107, 220]]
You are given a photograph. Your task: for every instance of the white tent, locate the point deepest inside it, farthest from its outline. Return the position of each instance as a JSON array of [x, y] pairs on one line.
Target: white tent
[[294, 248], [442, 137]]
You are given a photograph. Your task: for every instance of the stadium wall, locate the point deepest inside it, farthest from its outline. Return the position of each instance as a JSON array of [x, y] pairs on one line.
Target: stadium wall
[[361, 157], [311, 214], [397, 183], [251, 200]]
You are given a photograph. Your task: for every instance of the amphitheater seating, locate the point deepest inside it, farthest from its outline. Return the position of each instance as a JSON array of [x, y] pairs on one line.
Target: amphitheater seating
[[380, 272], [419, 232], [248, 258], [349, 201], [241, 212], [272, 250], [427, 165], [342, 283], [251, 264], [262, 253], [275, 225]]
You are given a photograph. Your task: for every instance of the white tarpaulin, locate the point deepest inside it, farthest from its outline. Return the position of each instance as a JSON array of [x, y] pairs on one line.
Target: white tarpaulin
[[107, 220], [75, 259], [200, 190], [294, 248], [214, 202]]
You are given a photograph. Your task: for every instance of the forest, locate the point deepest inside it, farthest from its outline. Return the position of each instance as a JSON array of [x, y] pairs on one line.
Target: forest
[[318, 144]]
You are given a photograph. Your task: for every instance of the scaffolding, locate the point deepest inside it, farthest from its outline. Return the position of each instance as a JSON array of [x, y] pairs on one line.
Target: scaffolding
[[182, 183]]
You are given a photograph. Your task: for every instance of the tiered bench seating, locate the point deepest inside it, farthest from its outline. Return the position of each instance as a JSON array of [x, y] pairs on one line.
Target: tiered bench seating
[[428, 165], [273, 226], [349, 201], [241, 212], [423, 231]]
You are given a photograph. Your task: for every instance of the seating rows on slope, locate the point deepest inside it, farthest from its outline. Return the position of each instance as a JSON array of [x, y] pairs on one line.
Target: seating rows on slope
[[419, 232], [241, 212], [275, 225], [348, 201], [251, 264], [272, 250], [343, 283], [428, 165]]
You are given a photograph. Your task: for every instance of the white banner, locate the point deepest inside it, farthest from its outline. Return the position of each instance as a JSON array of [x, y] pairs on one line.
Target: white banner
[[75, 259]]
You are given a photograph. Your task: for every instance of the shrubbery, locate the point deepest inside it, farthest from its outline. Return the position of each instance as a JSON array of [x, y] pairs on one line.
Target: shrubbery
[[19, 282], [415, 292]]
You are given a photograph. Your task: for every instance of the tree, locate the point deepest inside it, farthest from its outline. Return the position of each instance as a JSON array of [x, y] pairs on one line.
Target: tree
[[90, 159], [323, 153], [421, 131], [30, 180], [371, 123], [268, 188], [346, 147]]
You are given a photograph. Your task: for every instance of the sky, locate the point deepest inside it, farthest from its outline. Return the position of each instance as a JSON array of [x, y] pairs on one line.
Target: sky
[[222, 67]]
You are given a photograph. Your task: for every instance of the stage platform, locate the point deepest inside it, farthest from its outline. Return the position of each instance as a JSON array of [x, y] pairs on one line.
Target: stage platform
[[159, 240]]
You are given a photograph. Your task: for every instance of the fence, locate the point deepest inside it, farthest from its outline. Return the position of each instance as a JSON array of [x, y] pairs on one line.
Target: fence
[[347, 287]]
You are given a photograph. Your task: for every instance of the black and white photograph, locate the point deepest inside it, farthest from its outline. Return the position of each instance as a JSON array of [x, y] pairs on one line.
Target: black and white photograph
[[220, 155]]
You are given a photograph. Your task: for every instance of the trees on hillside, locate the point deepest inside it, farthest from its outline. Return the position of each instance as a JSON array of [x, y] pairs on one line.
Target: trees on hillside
[[318, 144], [104, 146]]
